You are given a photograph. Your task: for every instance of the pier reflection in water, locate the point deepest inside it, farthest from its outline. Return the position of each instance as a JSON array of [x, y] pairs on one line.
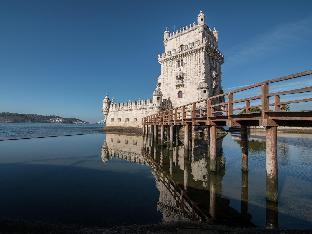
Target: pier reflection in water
[[189, 190]]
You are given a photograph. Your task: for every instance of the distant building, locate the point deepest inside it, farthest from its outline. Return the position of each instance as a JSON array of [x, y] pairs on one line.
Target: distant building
[[190, 71]]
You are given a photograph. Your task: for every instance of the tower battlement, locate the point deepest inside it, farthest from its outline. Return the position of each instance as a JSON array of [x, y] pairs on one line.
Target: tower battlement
[[192, 47]]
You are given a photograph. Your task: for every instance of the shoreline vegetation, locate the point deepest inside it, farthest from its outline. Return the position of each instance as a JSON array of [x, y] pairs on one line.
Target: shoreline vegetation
[[7, 117]]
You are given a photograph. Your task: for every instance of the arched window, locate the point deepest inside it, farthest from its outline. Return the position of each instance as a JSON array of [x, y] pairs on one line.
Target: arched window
[[180, 94]]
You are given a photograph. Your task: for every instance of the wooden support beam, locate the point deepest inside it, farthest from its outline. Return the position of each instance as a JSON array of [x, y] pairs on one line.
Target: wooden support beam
[[175, 116], [271, 164], [230, 105], [183, 114], [193, 113], [264, 100], [247, 106], [186, 136], [277, 103], [213, 147]]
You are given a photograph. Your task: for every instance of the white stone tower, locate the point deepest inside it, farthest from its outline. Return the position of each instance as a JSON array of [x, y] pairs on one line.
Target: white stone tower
[[191, 64]]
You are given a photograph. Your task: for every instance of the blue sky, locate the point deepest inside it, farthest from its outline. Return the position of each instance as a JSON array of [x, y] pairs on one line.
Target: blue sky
[[62, 56]]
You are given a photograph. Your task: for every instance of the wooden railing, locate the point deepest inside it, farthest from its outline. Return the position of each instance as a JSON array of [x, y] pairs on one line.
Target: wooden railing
[[259, 104]]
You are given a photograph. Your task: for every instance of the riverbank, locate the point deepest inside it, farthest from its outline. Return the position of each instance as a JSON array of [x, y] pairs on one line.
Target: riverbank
[[123, 130], [22, 227]]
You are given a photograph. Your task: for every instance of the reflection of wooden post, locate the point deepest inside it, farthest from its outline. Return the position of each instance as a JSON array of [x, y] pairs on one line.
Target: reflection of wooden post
[[152, 131], [212, 201], [244, 194], [185, 172], [271, 164], [213, 147], [177, 131], [171, 135], [186, 136], [171, 162], [244, 146], [155, 132], [271, 215], [162, 133]]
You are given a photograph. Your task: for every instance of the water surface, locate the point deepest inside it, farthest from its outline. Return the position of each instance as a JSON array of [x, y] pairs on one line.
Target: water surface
[[99, 180]]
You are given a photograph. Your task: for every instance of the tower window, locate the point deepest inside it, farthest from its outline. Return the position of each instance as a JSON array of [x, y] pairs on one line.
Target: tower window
[[112, 119], [180, 63], [127, 120], [205, 91], [180, 95]]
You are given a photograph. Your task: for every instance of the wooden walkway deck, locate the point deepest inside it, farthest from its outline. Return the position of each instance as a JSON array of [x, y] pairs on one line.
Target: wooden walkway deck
[[284, 101], [262, 108]]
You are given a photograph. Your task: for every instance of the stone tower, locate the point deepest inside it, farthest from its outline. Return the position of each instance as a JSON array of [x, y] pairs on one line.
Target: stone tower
[[191, 64]]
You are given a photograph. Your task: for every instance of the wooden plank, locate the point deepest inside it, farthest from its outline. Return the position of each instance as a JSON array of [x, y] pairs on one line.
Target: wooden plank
[[292, 91]]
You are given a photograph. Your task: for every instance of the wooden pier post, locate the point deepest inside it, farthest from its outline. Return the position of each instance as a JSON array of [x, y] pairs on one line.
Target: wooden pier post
[[213, 147], [186, 136], [271, 164], [244, 147]]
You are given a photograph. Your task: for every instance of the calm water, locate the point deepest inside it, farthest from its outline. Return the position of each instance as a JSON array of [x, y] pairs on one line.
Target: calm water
[[106, 180], [13, 131]]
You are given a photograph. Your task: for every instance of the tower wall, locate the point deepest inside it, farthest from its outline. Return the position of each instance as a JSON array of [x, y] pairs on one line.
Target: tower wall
[[190, 63]]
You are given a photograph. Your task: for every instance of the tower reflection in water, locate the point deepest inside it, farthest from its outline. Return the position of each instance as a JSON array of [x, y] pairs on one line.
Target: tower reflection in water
[[189, 191]]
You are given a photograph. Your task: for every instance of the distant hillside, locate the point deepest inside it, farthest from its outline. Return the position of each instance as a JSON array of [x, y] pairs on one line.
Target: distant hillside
[[6, 117]]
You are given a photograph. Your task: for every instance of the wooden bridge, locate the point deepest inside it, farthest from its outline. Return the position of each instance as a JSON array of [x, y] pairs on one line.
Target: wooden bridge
[[283, 101]]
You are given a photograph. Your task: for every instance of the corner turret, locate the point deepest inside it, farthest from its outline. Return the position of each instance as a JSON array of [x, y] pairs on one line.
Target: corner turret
[[157, 97], [166, 35], [106, 105], [201, 18]]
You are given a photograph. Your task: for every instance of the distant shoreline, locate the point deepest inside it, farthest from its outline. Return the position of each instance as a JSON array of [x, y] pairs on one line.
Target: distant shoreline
[[7, 117]]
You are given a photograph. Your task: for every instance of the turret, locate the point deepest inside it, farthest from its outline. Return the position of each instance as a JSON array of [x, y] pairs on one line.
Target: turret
[[106, 105], [203, 90], [215, 33], [201, 18], [166, 35], [157, 97]]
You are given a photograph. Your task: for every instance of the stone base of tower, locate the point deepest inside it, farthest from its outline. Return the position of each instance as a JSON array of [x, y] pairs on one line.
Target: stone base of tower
[[123, 130]]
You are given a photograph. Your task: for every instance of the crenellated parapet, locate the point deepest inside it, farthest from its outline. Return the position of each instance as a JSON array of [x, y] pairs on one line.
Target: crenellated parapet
[[133, 105], [190, 48]]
